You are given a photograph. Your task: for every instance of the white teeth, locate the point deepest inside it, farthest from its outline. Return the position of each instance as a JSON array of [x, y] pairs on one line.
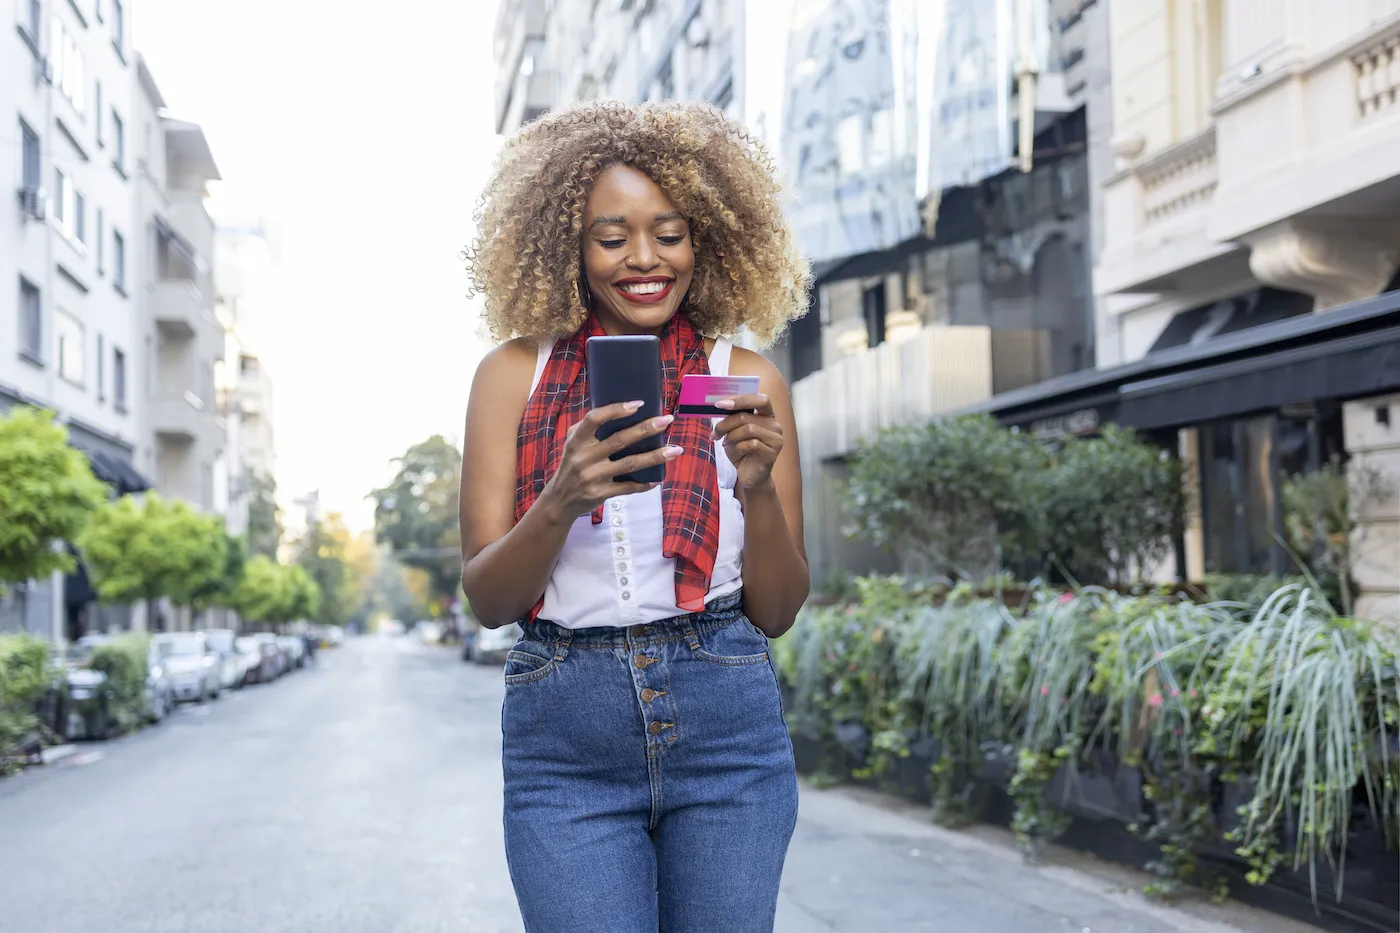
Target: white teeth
[[645, 288]]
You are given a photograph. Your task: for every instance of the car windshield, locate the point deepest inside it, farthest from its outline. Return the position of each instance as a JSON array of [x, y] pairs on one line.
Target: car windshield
[[221, 641], [246, 644], [180, 647]]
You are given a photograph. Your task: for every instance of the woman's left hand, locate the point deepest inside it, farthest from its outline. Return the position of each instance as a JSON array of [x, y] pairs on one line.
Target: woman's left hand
[[753, 438]]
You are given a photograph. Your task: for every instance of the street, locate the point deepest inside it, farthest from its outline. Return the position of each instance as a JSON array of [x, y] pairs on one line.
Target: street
[[364, 795]]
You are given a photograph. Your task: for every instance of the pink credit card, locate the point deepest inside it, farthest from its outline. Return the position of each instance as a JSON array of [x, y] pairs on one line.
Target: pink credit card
[[699, 394]]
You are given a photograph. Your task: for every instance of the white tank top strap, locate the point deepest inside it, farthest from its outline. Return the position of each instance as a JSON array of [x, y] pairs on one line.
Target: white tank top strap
[[719, 357], [541, 360]]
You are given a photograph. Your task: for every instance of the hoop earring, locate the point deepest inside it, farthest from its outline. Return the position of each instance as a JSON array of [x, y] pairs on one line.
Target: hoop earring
[[585, 294]]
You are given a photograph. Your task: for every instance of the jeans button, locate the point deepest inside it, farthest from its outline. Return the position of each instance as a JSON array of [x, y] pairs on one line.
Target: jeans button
[[641, 661], [648, 695], [655, 728]]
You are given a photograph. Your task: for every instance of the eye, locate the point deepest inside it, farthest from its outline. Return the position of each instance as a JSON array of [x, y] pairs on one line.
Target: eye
[[611, 244], [671, 240]]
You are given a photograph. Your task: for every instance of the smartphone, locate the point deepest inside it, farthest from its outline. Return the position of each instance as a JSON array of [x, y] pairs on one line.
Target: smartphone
[[628, 369], [699, 394]]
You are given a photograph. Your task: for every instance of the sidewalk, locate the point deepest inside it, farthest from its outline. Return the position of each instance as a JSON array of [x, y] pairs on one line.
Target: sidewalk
[[863, 863]]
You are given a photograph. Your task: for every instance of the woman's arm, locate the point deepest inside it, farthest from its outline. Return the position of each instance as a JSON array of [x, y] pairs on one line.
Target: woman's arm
[[505, 566], [776, 579]]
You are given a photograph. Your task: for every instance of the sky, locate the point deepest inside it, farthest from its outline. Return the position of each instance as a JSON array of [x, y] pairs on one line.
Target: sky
[[364, 134]]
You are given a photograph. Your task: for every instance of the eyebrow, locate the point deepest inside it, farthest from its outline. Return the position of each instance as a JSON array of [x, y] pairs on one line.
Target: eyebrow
[[619, 219]]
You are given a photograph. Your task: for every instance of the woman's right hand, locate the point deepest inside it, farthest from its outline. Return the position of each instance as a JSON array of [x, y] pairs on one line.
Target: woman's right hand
[[586, 475]]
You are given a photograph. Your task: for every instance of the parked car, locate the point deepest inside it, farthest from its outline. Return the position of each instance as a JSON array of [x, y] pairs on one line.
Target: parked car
[[230, 667], [489, 646], [249, 659], [332, 636], [193, 665], [274, 662], [293, 649]]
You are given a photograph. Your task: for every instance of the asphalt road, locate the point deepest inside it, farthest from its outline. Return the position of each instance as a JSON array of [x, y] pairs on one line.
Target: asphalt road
[[365, 796]]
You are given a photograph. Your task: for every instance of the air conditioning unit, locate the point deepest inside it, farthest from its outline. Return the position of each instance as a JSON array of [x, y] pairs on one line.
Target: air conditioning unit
[[34, 203]]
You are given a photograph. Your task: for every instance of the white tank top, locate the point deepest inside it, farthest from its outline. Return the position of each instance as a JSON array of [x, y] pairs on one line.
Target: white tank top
[[614, 574]]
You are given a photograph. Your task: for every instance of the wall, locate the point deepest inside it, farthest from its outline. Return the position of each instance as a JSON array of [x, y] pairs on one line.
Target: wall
[[1372, 431]]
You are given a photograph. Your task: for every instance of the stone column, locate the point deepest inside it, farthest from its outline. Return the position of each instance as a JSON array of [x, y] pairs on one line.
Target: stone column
[[1372, 431], [1335, 262]]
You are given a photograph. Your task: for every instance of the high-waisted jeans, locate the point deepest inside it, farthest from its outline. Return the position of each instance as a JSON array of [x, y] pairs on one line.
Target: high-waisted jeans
[[649, 780]]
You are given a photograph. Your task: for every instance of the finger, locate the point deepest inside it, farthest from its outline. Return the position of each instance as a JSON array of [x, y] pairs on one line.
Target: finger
[[638, 432], [736, 421], [641, 461], [758, 402], [753, 447], [744, 439], [605, 413]]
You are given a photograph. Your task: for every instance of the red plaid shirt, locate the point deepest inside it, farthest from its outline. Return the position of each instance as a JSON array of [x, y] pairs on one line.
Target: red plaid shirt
[[690, 493]]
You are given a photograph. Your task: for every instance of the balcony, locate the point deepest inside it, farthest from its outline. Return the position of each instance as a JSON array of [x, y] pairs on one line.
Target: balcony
[[183, 419], [1157, 214], [178, 308]]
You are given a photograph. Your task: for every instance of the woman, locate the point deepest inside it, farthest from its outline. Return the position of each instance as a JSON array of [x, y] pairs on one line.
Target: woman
[[649, 780]]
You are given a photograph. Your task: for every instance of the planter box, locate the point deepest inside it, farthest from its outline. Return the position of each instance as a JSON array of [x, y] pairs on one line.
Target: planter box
[[1100, 789]]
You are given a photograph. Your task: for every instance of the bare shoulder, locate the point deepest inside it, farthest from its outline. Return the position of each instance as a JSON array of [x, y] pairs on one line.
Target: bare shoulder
[[745, 362]]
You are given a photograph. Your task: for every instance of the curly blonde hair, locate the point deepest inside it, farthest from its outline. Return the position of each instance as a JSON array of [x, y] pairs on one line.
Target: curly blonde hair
[[527, 256]]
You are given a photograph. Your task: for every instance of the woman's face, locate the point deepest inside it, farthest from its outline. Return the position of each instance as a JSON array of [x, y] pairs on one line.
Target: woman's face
[[637, 256]]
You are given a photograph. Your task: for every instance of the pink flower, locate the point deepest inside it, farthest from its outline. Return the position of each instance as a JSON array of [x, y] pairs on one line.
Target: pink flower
[[1176, 692], [1154, 700], [1066, 598], [1045, 691], [1193, 694]]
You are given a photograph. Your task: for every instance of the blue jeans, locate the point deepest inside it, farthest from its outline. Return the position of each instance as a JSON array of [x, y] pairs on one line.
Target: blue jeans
[[649, 780]]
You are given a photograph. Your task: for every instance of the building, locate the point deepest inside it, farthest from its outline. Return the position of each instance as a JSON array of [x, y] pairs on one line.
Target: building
[[106, 311], [1247, 312], [549, 54], [173, 247], [245, 262], [70, 316]]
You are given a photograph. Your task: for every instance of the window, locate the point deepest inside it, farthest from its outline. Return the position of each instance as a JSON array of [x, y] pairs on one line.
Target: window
[[119, 380], [119, 26], [97, 110], [31, 172], [31, 322], [69, 69], [31, 25], [69, 207], [101, 369], [70, 346], [119, 262], [873, 310], [101, 245], [118, 142]]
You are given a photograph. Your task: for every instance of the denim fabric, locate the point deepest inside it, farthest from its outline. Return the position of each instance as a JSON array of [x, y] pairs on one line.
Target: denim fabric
[[649, 780]]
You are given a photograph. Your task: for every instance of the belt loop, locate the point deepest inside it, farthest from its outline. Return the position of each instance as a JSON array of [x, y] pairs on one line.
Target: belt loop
[[691, 638], [561, 646]]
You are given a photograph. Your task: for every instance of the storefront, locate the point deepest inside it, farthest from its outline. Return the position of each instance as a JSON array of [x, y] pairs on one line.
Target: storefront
[[1246, 408]]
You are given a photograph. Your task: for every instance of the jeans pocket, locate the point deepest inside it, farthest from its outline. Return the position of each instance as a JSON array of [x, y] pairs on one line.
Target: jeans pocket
[[524, 665], [736, 645]]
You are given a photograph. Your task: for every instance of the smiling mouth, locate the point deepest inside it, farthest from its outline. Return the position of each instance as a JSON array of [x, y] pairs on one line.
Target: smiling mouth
[[645, 291]]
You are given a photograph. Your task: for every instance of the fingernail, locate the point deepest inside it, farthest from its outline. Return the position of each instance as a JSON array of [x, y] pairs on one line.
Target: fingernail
[[673, 452], [725, 403], [661, 422], [633, 406]]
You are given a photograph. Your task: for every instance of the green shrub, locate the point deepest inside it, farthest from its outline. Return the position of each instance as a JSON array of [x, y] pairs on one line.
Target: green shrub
[[24, 673], [124, 661], [1285, 699]]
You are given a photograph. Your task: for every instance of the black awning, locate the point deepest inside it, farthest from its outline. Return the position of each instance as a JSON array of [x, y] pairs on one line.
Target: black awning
[[114, 471], [1350, 367], [1196, 326]]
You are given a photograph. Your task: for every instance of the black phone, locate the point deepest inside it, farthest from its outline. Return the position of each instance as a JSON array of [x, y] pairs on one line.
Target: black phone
[[628, 369]]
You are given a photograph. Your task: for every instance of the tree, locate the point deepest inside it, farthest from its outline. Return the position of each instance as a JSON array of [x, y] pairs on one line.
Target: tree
[[323, 553], [219, 589], [151, 549], [47, 494], [304, 600], [273, 594], [1113, 505], [416, 515], [956, 493], [264, 518]]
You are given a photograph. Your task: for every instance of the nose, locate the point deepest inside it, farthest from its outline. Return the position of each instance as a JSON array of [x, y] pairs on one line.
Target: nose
[[644, 259]]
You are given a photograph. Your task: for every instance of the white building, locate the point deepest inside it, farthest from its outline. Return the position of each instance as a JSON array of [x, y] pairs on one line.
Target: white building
[[106, 313], [71, 333], [173, 250], [245, 262]]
